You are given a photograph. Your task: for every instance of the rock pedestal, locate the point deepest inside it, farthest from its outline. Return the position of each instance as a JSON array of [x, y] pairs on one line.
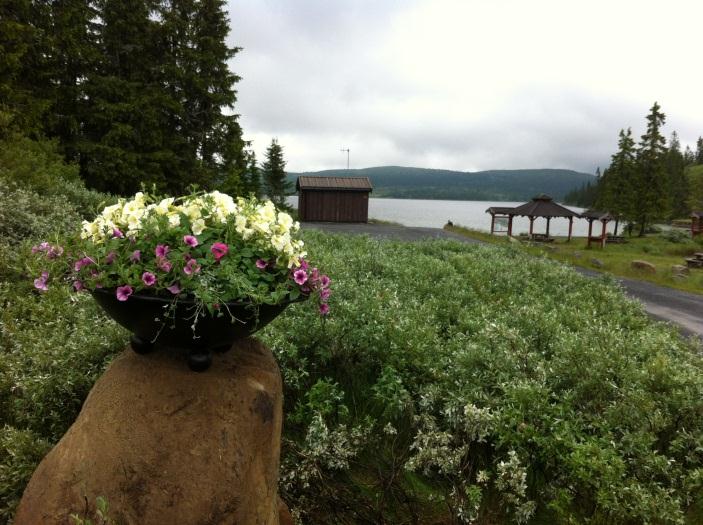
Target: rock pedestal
[[164, 445]]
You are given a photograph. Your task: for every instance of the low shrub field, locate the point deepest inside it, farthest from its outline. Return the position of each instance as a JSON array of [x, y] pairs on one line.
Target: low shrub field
[[450, 384]]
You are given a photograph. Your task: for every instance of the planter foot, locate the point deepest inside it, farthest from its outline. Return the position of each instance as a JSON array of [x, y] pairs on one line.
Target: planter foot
[[199, 360], [222, 349], [140, 345]]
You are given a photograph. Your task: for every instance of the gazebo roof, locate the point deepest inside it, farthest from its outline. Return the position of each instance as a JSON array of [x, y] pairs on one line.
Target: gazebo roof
[[697, 214], [598, 215], [543, 206]]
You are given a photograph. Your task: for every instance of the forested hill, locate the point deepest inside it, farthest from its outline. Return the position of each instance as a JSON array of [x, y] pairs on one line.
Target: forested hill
[[494, 185]]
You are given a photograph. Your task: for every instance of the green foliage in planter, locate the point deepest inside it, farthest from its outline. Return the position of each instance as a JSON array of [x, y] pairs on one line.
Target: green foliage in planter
[[515, 389]]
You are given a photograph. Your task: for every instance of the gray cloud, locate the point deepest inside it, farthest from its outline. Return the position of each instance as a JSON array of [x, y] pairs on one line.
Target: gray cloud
[[321, 75]]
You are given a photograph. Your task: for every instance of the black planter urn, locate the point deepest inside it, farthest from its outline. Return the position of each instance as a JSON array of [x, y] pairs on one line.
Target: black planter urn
[[155, 320]]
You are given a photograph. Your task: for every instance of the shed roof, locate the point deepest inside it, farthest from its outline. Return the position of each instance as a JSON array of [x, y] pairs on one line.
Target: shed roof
[[306, 182], [543, 206], [499, 210]]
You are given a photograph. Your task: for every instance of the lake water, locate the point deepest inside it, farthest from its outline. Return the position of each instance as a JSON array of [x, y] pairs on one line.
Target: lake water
[[472, 214]]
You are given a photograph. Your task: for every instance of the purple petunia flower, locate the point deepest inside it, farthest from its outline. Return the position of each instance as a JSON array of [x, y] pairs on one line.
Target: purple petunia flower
[[175, 289], [324, 309], [325, 293], [78, 286], [110, 258], [117, 233], [190, 240], [303, 264], [148, 278], [136, 256], [164, 264], [219, 250], [123, 292], [191, 267], [40, 282], [162, 250], [325, 281], [261, 264], [300, 276]]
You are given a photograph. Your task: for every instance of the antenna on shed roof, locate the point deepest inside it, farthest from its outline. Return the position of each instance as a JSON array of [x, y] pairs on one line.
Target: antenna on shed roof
[[347, 150]]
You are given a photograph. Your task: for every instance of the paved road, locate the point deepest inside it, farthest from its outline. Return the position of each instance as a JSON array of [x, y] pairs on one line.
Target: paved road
[[666, 304]]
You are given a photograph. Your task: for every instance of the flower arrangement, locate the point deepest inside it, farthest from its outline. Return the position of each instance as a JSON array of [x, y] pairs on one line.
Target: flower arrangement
[[208, 248]]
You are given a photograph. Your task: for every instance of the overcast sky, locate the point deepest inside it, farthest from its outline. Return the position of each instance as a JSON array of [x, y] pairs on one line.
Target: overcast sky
[[467, 85]]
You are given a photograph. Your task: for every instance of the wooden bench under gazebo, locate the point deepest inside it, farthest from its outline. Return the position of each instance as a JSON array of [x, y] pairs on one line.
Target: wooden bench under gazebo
[[541, 206], [604, 218]]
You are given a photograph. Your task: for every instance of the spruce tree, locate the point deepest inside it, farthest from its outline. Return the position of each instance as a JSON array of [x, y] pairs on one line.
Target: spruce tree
[[252, 178], [699, 151], [652, 197], [615, 191], [678, 184], [274, 174], [688, 156]]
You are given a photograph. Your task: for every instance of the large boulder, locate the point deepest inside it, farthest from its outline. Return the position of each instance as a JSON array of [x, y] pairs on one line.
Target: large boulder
[[164, 445], [644, 266]]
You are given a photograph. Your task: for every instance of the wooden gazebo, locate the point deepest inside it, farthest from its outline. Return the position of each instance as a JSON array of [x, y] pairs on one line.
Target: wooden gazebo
[[541, 206], [696, 223], [592, 216]]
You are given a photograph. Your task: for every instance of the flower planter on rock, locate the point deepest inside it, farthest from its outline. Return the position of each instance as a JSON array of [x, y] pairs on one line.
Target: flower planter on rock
[[157, 320]]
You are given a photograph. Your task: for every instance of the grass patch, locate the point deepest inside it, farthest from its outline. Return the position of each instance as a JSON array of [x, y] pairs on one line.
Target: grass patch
[[664, 250]]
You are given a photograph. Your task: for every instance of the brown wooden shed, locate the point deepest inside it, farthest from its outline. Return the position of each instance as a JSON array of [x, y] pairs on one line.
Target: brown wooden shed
[[333, 199]]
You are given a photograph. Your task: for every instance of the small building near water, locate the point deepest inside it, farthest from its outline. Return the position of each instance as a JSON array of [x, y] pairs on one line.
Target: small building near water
[[333, 199]]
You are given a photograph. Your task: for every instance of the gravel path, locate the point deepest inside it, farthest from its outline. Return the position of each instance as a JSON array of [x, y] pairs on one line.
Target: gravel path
[[666, 304]]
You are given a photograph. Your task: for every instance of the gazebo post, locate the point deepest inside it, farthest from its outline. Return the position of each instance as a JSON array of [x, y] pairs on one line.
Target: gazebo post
[[617, 222], [532, 221], [510, 225], [571, 225], [590, 230], [548, 218], [493, 223], [603, 233]]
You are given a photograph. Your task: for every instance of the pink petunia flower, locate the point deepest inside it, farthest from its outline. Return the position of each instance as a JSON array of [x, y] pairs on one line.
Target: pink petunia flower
[[148, 278], [80, 263], [175, 289], [190, 240], [43, 247], [219, 250], [300, 276], [303, 264], [261, 264], [191, 267], [325, 281], [123, 292], [40, 282], [325, 293], [78, 286], [117, 233], [162, 250], [54, 252], [324, 309], [110, 258], [136, 256], [163, 264]]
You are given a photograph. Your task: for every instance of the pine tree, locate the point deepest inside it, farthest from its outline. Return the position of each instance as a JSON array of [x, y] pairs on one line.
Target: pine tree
[[652, 197], [274, 174], [699, 151], [678, 184]]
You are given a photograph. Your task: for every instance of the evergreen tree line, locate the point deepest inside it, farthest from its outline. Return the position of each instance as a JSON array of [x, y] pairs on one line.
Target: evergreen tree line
[[646, 181], [134, 91]]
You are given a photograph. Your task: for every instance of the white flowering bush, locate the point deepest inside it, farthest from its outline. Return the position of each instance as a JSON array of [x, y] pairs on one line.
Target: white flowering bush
[[207, 247]]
